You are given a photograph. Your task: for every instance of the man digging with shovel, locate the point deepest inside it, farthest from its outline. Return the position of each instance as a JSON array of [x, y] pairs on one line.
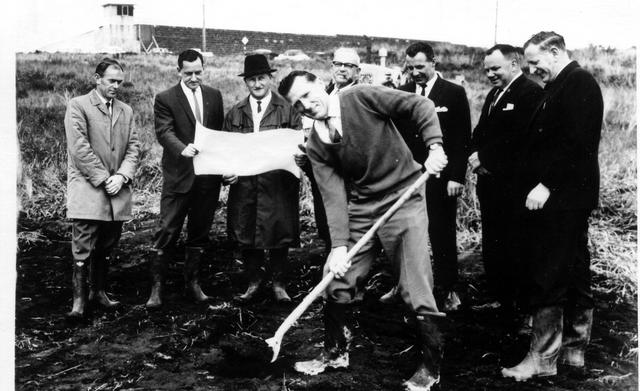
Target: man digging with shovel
[[354, 145]]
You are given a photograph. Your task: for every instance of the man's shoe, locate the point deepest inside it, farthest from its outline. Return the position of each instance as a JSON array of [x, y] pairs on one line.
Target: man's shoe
[[532, 366], [250, 293], [157, 267], [279, 293], [322, 362], [422, 380], [79, 284], [390, 297], [193, 256], [451, 302]]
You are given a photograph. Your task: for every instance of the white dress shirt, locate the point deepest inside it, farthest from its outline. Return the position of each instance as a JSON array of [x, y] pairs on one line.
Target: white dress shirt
[[189, 94], [506, 88], [104, 101], [257, 117], [427, 87], [333, 117]]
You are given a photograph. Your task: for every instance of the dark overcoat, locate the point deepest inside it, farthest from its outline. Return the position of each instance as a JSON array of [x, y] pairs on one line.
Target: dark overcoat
[[560, 147], [263, 210]]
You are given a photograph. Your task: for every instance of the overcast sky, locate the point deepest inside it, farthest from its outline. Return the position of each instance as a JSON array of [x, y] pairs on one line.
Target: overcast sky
[[470, 22]]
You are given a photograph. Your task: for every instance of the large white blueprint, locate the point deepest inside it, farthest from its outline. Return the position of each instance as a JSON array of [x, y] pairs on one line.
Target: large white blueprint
[[245, 154]]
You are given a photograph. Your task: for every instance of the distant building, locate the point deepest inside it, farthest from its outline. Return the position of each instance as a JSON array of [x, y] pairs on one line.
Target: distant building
[[118, 34]]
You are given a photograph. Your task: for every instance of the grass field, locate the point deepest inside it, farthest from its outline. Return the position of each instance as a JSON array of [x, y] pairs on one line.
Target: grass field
[[45, 83]]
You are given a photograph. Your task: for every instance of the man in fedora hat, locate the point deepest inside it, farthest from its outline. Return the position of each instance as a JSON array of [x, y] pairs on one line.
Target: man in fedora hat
[[262, 210]]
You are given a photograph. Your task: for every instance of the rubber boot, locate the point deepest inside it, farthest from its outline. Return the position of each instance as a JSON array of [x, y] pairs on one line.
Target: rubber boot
[[253, 260], [546, 339], [278, 261], [193, 256], [430, 342], [577, 333], [99, 269], [337, 341], [390, 297], [158, 267], [79, 285]]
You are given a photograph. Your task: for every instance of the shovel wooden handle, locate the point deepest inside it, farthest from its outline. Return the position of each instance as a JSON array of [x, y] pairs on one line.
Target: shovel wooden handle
[[322, 286]]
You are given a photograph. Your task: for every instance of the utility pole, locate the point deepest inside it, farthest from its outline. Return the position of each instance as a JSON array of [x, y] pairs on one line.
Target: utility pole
[[495, 30], [204, 31]]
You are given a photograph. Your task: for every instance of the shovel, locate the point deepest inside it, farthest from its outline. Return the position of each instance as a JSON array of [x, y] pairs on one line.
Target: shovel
[[276, 341]]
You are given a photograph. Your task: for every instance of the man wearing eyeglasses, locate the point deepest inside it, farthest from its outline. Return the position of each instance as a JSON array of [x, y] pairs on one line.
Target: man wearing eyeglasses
[[442, 193], [345, 70]]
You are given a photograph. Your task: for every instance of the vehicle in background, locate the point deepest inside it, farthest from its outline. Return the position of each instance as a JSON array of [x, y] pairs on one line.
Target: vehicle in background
[[292, 55]]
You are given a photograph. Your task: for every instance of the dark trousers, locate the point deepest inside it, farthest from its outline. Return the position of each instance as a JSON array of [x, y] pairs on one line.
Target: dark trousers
[[255, 267], [441, 210], [557, 263], [90, 236], [318, 209], [198, 206], [500, 237], [403, 238]]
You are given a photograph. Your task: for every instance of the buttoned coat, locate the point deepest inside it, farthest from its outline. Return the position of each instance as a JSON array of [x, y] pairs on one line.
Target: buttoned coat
[[175, 127], [263, 210], [560, 147], [99, 146], [498, 135], [452, 107]]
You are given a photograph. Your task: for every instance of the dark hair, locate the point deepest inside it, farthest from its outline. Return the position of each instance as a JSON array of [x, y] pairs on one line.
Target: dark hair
[[508, 51], [287, 82], [546, 39], [418, 47], [106, 63], [189, 55]]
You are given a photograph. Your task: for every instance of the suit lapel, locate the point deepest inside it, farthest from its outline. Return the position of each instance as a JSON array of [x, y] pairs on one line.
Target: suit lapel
[[436, 91], [206, 105], [96, 101], [117, 110], [182, 98]]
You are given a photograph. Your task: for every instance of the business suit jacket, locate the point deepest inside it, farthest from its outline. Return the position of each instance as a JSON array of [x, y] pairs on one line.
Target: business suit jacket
[[497, 136], [175, 128], [560, 149], [452, 107], [98, 147]]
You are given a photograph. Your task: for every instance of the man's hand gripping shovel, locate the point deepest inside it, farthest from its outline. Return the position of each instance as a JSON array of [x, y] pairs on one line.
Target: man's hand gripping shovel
[[275, 342]]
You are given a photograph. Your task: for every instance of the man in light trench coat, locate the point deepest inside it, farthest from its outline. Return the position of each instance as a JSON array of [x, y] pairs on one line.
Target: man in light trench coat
[[102, 148]]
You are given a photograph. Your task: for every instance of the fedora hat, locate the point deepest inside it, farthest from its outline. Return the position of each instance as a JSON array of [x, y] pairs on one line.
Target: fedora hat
[[256, 64]]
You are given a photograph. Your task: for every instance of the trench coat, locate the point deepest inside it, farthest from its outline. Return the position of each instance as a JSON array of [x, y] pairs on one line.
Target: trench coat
[[263, 210], [98, 147]]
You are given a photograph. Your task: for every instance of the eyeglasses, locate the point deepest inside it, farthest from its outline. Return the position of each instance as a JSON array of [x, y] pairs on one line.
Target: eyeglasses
[[339, 64]]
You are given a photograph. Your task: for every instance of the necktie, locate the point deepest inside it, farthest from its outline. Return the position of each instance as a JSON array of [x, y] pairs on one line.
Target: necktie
[[495, 99], [422, 92], [109, 108], [334, 135], [259, 107], [197, 106]]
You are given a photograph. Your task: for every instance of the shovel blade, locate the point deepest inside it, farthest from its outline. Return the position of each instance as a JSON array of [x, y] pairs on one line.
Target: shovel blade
[[274, 343]]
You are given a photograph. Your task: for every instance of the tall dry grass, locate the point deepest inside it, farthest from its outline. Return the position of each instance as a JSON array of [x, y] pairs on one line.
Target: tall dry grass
[[45, 83]]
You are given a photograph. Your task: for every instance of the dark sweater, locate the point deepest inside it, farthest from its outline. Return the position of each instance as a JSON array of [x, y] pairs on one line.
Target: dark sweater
[[372, 159]]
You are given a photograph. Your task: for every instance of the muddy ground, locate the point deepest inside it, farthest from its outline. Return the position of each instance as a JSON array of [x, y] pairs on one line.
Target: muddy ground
[[218, 346]]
